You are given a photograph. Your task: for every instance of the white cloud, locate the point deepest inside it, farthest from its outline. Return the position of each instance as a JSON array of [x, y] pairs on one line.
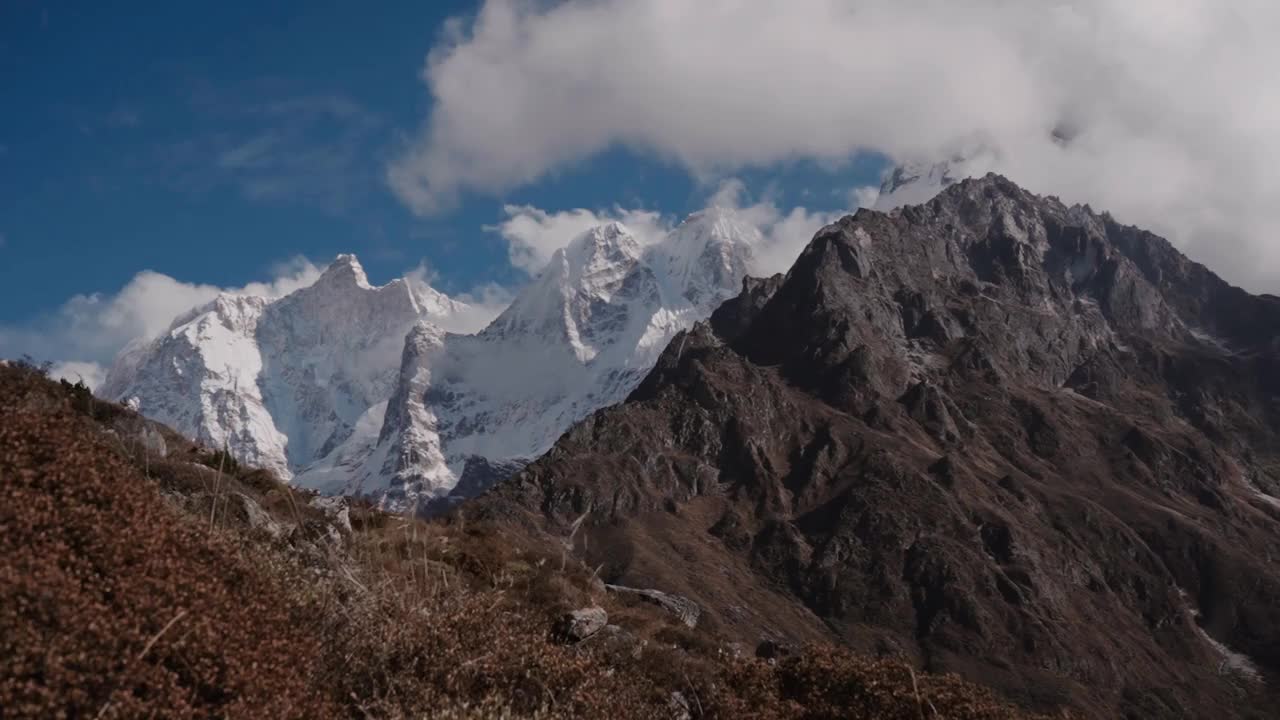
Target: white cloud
[[534, 235], [484, 302], [88, 330], [785, 233], [863, 197], [1156, 110], [90, 373]]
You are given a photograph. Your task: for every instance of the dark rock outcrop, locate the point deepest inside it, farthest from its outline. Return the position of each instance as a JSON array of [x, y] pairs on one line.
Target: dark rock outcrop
[[991, 434]]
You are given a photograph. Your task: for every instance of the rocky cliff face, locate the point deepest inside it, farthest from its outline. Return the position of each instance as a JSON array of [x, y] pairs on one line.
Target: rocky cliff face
[[990, 433]]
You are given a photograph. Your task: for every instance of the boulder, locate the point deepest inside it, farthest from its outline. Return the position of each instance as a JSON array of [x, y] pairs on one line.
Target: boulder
[[336, 509], [682, 607], [582, 624], [259, 519]]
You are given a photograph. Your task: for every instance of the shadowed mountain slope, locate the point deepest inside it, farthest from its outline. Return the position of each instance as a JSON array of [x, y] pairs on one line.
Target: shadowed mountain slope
[[991, 434], [144, 576]]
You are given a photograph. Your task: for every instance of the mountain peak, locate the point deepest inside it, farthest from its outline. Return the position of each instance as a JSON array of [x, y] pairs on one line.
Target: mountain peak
[[705, 258], [344, 271], [594, 259], [715, 225], [613, 240]]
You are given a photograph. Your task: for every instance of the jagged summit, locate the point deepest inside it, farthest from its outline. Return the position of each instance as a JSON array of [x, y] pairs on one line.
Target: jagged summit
[[344, 271], [280, 382], [594, 257], [707, 253], [349, 387]]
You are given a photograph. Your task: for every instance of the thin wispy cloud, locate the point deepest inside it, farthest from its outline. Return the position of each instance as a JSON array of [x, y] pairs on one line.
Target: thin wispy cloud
[[123, 116], [315, 150]]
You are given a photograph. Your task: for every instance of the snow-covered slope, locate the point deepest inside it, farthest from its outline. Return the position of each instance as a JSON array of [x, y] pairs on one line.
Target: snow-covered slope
[[280, 382], [201, 379], [348, 388], [578, 338]]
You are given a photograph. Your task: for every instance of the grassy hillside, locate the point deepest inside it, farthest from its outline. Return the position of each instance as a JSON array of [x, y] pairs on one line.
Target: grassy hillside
[[141, 575]]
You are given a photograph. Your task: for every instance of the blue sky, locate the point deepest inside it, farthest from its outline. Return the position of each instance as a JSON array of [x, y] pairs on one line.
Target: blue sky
[[216, 144], [212, 144]]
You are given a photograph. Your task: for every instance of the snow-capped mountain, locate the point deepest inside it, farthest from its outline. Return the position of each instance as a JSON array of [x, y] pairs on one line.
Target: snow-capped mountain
[[354, 389], [581, 336], [280, 382]]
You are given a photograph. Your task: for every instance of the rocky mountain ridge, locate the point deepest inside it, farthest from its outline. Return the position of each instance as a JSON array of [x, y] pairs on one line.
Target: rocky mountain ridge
[[991, 434]]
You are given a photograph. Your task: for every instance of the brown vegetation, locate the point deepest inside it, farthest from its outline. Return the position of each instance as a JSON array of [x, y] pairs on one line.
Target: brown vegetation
[[136, 585]]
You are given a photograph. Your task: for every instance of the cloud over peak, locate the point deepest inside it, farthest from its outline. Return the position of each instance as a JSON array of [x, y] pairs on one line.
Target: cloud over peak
[[533, 235]]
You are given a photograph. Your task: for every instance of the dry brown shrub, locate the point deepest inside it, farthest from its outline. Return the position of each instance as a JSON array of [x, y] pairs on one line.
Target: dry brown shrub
[[115, 602], [114, 605]]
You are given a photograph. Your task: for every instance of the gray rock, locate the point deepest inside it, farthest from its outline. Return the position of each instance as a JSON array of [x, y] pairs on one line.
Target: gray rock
[[336, 508], [682, 607], [582, 624], [259, 519], [154, 442], [679, 706]]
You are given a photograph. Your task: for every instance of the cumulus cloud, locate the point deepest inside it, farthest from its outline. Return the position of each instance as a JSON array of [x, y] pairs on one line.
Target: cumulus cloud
[[784, 233], [86, 332], [1153, 109], [90, 373], [533, 235]]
